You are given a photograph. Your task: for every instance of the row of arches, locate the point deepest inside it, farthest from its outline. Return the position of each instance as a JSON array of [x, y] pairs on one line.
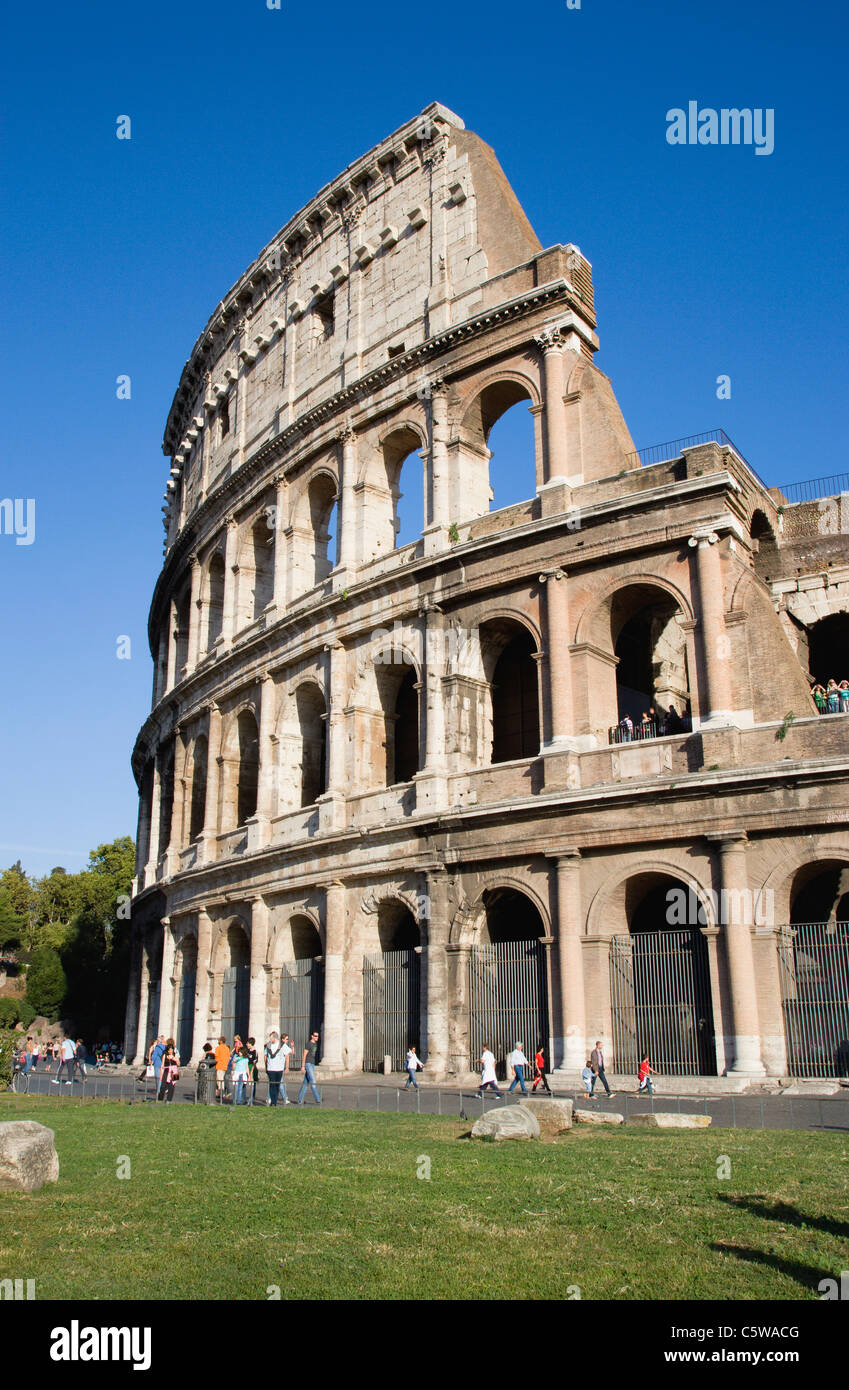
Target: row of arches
[[666, 993]]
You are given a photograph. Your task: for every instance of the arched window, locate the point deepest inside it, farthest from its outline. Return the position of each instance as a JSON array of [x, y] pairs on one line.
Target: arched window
[[214, 600], [406, 483], [508, 651], [248, 766], [496, 452], [262, 542], [828, 649], [182, 612], [322, 503], [652, 683], [166, 795], [199, 770], [312, 724], [397, 684]]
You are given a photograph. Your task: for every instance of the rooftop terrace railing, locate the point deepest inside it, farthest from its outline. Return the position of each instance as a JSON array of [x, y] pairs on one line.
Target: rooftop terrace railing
[[811, 489], [661, 453]]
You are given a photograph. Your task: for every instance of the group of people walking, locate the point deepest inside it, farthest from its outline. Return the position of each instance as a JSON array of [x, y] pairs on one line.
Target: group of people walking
[[831, 698], [229, 1073], [519, 1065]]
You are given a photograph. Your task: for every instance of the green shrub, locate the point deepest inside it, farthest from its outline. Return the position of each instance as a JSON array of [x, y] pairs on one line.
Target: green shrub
[[10, 1042], [46, 984]]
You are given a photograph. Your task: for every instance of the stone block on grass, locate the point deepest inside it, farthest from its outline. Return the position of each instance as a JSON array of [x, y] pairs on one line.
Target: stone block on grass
[[670, 1119], [553, 1116], [28, 1157], [511, 1122], [598, 1117]]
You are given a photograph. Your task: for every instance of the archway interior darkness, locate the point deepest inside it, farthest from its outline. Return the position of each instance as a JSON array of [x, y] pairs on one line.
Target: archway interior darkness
[[820, 893], [515, 699], [660, 980], [499, 420], [313, 729], [397, 928], [650, 649], [215, 601], [392, 989], [511, 916], [828, 649], [248, 766], [166, 804], [407, 729], [181, 632], [199, 768], [186, 997], [236, 985]]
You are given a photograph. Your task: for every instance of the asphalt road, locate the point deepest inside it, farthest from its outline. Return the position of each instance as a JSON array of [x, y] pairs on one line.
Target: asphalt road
[[389, 1097]]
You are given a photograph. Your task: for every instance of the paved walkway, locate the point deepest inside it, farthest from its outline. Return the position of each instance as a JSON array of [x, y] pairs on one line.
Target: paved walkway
[[386, 1094]]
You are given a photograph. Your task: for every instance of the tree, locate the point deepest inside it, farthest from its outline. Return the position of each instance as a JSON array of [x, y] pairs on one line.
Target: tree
[[46, 983], [11, 926], [19, 892]]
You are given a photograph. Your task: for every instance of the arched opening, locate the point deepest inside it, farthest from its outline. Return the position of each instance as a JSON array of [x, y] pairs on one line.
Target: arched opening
[[652, 681], [187, 965], [153, 953], [312, 724], [197, 816], [166, 795], [236, 984], [508, 979], [764, 546], [302, 986], [262, 547], [814, 967], [508, 656], [828, 649], [660, 991], [248, 736], [214, 601], [496, 453], [182, 612], [398, 689], [406, 485], [392, 989], [145, 812], [322, 504]]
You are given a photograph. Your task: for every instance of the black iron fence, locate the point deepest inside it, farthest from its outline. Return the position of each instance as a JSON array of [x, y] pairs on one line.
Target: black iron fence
[[637, 731], [812, 489], [814, 970]]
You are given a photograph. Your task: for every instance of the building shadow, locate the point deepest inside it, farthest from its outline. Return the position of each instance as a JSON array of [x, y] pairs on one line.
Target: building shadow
[[787, 1215], [805, 1275]]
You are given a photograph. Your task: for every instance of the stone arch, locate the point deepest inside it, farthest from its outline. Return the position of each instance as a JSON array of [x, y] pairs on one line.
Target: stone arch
[[608, 905], [475, 415], [592, 622], [215, 579], [468, 924], [314, 507], [779, 882], [283, 947]]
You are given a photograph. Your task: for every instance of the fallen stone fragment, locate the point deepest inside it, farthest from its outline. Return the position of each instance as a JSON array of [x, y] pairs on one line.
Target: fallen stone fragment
[[670, 1119], [28, 1157], [553, 1116], [513, 1122], [598, 1117]]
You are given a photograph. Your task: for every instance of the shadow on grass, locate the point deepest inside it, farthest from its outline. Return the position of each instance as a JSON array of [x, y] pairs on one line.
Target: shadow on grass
[[804, 1275], [787, 1215]]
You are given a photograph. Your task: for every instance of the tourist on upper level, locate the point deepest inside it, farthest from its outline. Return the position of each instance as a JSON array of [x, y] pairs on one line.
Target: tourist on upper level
[[626, 726], [843, 696], [832, 696]]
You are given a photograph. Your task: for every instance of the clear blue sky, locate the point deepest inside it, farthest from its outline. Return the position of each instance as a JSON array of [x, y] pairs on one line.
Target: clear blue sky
[[707, 260]]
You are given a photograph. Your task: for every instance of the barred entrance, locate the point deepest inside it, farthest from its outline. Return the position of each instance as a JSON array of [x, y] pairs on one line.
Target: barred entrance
[[186, 1015], [391, 1007], [660, 1002], [152, 1022], [301, 1004], [235, 1001], [814, 969], [508, 999]]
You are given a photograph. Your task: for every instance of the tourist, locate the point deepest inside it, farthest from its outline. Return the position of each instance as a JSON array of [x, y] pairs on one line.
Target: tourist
[[27, 1057], [411, 1066], [540, 1078], [36, 1054], [222, 1062], [597, 1064], [487, 1062], [67, 1053], [253, 1064], [832, 697], [241, 1074], [157, 1052], [288, 1050], [644, 1076], [170, 1071], [588, 1078], [206, 1067], [79, 1057], [518, 1061], [843, 697], [310, 1062], [626, 726], [275, 1062], [819, 698]]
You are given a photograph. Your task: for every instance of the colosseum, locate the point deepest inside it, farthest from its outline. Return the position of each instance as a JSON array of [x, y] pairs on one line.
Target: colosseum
[[552, 770]]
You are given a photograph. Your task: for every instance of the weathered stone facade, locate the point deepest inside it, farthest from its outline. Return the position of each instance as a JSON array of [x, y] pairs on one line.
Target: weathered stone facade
[[407, 748]]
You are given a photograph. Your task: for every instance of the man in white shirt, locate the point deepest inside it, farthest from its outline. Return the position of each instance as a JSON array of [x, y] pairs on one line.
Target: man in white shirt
[[68, 1055], [287, 1048], [275, 1064], [487, 1061], [518, 1061]]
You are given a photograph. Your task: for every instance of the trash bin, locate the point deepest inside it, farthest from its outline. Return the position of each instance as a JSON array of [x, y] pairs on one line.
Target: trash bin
[[206, 1085]]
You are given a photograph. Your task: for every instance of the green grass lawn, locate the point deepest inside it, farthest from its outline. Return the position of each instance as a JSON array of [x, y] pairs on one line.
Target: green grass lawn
[[328, 1204]]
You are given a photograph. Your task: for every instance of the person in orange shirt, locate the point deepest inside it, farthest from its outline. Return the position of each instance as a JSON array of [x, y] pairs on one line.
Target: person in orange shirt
[[222, 1061]]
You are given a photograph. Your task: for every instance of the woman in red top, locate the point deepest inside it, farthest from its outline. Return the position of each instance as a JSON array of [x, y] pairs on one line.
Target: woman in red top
[[539, 1070], [644, 1075]]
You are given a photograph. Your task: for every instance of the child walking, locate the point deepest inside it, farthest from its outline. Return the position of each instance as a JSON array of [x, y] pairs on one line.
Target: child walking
[[644, 1076]]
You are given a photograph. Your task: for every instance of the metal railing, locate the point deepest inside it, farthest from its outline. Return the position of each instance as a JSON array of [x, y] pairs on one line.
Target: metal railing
[[642, 729], [662, 453], [814, 970], [811, 489]]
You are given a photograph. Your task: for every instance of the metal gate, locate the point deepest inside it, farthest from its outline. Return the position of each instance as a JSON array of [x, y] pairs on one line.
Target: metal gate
[[814, 968], [391, 1007], [152, 1021], [235, 1001], [301, 1004], [660, 1002], [186, 1015], [508, 1000]]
